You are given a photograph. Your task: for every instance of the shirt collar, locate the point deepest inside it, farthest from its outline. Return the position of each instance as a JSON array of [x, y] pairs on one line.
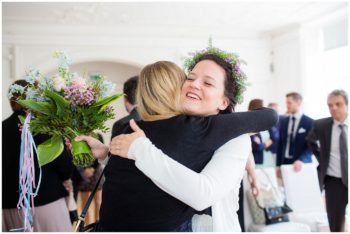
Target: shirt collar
[[338, 123], [297, 115]]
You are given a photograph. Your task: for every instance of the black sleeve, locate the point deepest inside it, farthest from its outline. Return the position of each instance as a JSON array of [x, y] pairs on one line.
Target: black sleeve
[[63, 165], [312, 140], [225, 127], [115, 128]]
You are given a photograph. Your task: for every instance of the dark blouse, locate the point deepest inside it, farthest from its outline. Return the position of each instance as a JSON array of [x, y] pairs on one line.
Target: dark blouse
[[53, 174], [132, 202]]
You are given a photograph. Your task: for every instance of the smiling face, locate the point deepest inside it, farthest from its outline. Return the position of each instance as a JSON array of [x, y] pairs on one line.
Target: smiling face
[[203, 91]]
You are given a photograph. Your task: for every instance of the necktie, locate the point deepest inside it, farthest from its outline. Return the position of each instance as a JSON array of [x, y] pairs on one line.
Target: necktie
[[343, 146], [291, 138]]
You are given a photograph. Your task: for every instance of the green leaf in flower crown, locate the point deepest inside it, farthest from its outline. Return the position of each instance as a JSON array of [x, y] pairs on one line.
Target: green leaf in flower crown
[[102, 103], [60, 102], [42, 107], [50, 149]]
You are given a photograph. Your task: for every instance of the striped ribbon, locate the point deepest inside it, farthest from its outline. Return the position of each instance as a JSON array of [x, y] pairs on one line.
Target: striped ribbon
[[27, 188]]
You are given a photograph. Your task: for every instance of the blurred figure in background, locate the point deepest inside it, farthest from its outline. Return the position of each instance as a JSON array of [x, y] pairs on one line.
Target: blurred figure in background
[[292, 146], [129, 89], [329, 143], [51, 212], [270, 151], [258, 143]]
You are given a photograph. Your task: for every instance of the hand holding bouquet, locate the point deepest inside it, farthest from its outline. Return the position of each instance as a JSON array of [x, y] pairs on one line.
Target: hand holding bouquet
[[66, 105]]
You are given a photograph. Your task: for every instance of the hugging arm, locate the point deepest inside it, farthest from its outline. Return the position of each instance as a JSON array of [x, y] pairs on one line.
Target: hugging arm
[[228, 126], [222, 174]]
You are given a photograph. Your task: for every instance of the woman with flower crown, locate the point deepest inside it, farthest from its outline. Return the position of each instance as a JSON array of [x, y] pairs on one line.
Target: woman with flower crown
[[131, 201]]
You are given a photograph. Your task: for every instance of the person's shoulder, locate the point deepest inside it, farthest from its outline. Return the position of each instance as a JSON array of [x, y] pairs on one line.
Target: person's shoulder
[[323, 121], [122, 121], [307, 118]]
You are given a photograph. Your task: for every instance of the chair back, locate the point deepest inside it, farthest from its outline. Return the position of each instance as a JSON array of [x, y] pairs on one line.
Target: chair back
[[302, 189]]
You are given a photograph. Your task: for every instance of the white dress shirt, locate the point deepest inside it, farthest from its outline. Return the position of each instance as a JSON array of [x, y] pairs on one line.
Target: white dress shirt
[[334, 168], [217, 185]]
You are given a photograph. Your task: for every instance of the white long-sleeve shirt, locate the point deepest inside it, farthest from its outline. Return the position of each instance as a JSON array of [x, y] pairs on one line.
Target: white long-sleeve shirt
[[217, 185]]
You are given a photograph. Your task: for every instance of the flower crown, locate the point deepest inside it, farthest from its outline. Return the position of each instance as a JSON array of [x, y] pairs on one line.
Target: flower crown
[[232, 59]]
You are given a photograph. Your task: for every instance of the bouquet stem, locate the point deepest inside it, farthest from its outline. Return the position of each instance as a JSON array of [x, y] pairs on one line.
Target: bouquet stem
[[82, 155]]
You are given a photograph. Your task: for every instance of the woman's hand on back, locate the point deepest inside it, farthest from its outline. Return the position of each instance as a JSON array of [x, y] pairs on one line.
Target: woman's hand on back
[[120, 144]]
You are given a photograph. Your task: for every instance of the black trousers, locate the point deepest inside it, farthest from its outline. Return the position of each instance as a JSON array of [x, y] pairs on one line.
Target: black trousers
[[336, 201]]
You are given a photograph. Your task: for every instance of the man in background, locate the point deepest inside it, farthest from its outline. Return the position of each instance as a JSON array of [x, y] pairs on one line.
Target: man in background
[[328, 141], [292, 147], [129, 89]]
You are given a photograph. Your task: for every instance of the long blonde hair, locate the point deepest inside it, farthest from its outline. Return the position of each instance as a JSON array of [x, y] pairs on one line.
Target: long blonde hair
[[158, 91]]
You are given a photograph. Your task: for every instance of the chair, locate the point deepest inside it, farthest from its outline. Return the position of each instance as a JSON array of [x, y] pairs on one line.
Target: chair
[[250, 226], [304, 197]]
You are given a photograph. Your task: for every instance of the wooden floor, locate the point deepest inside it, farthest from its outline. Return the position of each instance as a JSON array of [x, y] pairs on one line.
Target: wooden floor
[[91, 211]]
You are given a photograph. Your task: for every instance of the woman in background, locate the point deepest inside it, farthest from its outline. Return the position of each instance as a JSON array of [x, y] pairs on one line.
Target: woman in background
[[51, 212]]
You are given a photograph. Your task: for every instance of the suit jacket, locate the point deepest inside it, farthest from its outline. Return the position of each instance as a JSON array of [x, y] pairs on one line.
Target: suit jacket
[[120, 125], [301, 150], [319, 140]]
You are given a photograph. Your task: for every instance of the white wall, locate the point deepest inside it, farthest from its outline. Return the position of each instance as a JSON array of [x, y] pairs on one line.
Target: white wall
[[301, 64], [286, 60], [133, 51], [323, 70], [32, 44]]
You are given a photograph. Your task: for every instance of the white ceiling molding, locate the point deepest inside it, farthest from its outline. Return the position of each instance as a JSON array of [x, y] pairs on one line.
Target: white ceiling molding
[[162, 19]]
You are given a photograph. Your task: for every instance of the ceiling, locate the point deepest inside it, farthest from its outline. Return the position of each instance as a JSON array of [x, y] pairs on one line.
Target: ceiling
[[237, 16]]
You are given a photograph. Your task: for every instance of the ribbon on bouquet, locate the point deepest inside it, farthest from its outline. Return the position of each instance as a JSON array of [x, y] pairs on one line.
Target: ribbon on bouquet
[[27, 188]]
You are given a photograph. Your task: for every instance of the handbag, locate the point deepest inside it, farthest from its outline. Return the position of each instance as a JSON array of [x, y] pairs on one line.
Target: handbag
[[270, 206], [92, 227]]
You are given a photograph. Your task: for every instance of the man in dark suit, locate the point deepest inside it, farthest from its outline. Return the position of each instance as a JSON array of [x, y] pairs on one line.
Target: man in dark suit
[[328, 141], [292, 147], [129, 90]]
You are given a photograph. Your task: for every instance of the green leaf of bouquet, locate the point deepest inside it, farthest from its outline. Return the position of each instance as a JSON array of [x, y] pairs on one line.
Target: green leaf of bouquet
[[102, 103], [61, 103], [42, 107], [50, 149]]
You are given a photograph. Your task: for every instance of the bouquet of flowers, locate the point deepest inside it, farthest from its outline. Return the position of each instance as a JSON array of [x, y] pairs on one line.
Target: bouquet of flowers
[[65, 105]]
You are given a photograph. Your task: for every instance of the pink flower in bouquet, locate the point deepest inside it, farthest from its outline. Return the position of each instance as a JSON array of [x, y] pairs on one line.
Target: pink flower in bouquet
[[79, 96], [79, 82]]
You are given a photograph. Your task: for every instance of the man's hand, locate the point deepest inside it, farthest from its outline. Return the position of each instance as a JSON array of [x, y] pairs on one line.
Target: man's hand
[[89, 172], [278, 172], [297, 165], [68, 185]]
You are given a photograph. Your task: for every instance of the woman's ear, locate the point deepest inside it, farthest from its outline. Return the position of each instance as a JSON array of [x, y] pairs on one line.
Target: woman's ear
[[224, 104]]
